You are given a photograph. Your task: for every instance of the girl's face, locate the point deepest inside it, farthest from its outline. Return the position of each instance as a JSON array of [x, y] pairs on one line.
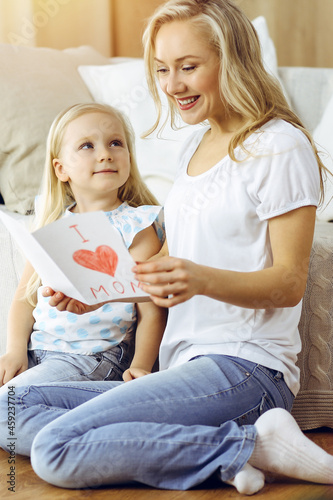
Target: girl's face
[[188, 72], [94, 157]]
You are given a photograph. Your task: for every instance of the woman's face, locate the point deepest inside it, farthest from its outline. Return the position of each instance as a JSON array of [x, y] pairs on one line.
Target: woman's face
[[188, 72]]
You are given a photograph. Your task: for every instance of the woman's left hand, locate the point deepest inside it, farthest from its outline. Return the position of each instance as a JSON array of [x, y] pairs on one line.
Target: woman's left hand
[[169, 280]]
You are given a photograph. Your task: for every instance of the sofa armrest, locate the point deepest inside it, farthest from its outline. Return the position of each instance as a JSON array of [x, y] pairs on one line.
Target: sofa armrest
[[11, 267]]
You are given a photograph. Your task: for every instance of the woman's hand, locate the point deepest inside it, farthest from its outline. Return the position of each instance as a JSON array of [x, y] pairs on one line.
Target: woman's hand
[[170, 281], [64, 303]]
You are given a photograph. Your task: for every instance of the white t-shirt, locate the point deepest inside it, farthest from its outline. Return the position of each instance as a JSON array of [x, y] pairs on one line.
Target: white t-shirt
[[220, 219]]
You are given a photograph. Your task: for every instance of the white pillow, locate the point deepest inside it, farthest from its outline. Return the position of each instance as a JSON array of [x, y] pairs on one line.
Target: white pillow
[[267, 45], [323, 136], [268, 50]]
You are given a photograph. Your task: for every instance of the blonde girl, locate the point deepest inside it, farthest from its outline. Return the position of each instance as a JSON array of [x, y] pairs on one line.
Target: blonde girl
[[90, 165]]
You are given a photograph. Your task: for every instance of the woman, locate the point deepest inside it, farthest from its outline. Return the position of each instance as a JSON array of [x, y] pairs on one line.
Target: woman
[[239, 225]]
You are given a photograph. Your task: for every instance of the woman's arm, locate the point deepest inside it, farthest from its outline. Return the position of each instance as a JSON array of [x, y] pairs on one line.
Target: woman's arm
[[20, 323], [172, 280]]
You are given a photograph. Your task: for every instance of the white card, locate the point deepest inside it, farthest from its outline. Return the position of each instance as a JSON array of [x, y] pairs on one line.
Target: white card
[[82, 255]]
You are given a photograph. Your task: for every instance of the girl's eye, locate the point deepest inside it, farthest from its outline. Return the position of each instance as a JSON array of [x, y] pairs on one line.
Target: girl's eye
[[86, 145], [116, 143], [161, 70], [188, 68]]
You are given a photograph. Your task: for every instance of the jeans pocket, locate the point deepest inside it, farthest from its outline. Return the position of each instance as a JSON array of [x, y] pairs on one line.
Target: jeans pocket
[[250, 416]]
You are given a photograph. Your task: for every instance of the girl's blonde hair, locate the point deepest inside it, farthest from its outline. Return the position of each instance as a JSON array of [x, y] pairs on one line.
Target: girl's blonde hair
[[245, 86], [56, 195]]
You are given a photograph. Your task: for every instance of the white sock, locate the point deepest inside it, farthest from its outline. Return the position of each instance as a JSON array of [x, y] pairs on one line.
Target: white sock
[[282, 448], [248, 481]]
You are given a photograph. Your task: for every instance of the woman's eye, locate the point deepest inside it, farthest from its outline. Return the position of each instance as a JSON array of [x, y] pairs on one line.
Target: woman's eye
[[188, 68], [161, 70]]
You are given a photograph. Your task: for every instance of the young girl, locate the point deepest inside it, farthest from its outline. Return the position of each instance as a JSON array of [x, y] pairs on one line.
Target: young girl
[[239, 226], [90, 165]]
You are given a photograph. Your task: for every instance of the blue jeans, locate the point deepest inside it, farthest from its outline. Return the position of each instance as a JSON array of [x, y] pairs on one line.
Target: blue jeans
[[172, 429], [54, 366]]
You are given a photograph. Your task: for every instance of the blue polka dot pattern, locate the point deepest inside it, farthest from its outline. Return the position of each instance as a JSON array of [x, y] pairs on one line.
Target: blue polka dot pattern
[[96, 349], [117, 320], [72, 318], [82, 333], [60, 330], [52, 313], [106, 333], [94, 320], [39, 337], [75, 345]]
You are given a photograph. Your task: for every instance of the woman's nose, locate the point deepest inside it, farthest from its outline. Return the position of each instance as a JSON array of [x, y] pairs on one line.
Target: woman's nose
[[174, 84]]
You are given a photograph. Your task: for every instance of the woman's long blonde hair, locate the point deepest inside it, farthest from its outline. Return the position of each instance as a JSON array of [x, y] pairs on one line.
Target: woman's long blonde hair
[[245, 86], [55, 195]]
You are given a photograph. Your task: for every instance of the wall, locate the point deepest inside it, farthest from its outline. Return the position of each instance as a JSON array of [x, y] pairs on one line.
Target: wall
[[302, 30]]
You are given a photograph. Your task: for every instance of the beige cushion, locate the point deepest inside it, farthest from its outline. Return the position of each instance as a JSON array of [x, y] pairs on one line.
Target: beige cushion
[[35, 84]]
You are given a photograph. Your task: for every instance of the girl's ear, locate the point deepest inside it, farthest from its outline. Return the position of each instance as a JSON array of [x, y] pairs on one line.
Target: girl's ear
[[59, 170]]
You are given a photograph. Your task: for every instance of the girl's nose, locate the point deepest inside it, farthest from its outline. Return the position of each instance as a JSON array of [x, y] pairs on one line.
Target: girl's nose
[[105, 155]]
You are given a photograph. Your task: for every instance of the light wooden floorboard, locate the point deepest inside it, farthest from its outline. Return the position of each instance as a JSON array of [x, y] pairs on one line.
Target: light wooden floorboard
[[29, 487]]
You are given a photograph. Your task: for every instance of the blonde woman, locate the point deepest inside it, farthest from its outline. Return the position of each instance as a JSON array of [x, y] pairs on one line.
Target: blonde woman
[[239, 227], [90, 166]]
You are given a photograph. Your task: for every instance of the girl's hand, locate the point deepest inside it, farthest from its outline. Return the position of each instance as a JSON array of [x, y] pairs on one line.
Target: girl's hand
[[12, 364], [170, 281], [133, 373], [64, 303]]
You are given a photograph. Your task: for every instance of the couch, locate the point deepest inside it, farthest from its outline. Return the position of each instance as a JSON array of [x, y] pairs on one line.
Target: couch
[[36, 83]]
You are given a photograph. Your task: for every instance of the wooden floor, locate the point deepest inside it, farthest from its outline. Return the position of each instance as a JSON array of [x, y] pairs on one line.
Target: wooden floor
[[28, 486]]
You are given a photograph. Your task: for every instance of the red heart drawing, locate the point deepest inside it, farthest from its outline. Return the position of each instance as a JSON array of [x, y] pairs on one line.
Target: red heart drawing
[[104, 259]]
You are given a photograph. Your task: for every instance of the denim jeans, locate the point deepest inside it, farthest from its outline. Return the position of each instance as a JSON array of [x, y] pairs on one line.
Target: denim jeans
[[53, 366], [172, 429]]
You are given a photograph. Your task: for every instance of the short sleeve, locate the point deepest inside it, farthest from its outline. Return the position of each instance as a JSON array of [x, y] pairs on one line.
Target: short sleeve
[[287, 176], [131, 220]]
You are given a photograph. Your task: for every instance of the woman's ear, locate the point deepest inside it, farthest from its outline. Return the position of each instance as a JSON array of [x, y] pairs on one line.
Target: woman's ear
[[59, 170]]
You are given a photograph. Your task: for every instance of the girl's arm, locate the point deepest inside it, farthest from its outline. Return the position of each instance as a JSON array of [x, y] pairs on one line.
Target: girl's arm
[[151, 319], [281, 285], [20, 323]]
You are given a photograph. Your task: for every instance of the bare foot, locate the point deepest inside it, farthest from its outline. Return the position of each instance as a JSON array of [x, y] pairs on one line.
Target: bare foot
[[282, 448], [248, 481]]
